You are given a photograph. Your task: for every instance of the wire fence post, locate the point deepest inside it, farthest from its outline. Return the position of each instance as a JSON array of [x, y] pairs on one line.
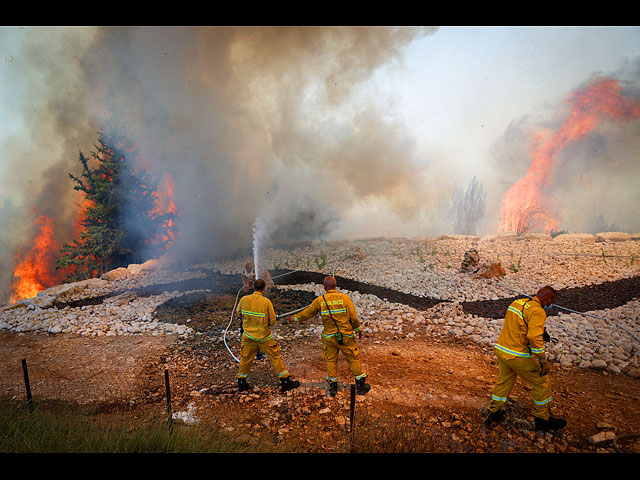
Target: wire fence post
[[352, 409], [27, 384], [168, 389]]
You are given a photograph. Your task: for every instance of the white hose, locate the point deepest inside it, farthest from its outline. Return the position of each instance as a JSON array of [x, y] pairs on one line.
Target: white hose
[[286, 273], [563, 308], [293, 311], [224, 335], [493, 281], [233, 311]]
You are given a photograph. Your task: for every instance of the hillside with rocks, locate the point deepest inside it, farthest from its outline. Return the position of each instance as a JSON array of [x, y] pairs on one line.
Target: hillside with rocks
[[429, 327]]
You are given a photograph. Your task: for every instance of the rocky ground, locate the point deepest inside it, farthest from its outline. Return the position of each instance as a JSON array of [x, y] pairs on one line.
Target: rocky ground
[[427, 346]]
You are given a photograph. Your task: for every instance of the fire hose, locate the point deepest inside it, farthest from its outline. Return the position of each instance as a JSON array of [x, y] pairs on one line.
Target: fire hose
[[635, 337], [233, 311], [224, 335], [493, 281], [619, 437]]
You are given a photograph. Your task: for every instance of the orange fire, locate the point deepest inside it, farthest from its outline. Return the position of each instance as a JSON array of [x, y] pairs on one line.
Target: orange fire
[[166, 205], [35, 271], [523, 205], [82, 204]]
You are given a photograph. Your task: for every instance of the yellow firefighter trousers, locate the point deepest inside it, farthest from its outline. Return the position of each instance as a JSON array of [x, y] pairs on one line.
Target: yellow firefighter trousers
[[331, 350], [248, 353], [529, 370]]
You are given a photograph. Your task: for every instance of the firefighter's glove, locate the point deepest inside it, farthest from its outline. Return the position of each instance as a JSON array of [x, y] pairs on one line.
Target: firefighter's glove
[[544, 367], [547, 338], [292, 319]]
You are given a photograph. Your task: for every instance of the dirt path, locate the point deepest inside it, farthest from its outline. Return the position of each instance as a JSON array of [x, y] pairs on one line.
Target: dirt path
[[427, 394]]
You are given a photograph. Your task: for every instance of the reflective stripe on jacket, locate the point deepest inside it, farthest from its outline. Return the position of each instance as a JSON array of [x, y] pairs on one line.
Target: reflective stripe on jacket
[[521, 334], [258, 316], [342, 309]]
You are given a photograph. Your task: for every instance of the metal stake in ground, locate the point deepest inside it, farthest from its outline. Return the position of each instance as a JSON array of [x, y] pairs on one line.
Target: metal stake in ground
[[166, 383], [352, 410], [27, 384]]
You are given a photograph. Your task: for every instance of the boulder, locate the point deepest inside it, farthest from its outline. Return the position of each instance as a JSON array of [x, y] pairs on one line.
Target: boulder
[[49, 296], [456, 236], [635, 237], [534, 236], [356, 254], [249, 276], [633, 372], [71, 288], [491, 271], [500, 237], [44, 301], [601, 437], [470, 261], [613, 237], [137, 269], [575, 237], [19, 304], [116, 274]]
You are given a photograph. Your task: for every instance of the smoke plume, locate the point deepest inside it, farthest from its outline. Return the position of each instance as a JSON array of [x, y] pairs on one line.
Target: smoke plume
[[262, 122]]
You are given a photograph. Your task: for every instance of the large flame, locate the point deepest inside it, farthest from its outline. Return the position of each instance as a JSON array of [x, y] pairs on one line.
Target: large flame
[[524, 206], [34, 271], [166, 205]]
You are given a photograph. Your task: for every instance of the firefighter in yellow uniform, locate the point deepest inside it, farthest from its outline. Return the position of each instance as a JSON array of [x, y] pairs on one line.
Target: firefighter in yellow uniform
[[258, 316], [520, 352], [341, 323]]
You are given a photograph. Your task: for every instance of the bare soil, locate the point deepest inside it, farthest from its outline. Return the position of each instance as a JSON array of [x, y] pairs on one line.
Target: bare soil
[[428, 393]]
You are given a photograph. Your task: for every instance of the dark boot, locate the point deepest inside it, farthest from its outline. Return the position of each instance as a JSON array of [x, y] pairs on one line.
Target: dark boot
[[493, 418], [333, 389], [243, 385], [551, 424], [288, 384], [361, 387]]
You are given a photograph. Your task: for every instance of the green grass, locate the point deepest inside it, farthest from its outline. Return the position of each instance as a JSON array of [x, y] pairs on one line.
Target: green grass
[[56, 430]]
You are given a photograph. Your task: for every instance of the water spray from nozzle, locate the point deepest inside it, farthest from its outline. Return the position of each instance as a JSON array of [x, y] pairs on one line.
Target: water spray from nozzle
[[259, 231]]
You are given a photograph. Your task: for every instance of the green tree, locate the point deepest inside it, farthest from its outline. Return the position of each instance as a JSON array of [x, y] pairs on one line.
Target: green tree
[[121, 224]]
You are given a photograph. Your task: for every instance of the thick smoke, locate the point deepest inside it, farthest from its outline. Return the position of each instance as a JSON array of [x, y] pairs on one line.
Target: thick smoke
[[589, 183], [44, 124], [260, 121], [270, 122]]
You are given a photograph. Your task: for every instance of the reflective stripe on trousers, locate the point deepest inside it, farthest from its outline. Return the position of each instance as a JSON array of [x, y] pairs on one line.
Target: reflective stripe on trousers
[[509, 369], [248, 353], [331, 351]]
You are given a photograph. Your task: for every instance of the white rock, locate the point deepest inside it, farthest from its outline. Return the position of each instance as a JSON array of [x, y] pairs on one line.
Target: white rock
[[601, 437], [576, 237], [613, 237]]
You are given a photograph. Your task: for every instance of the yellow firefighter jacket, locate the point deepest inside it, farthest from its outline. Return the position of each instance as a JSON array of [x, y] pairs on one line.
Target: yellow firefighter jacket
[[343, 311], [258, 316], [521, 334]]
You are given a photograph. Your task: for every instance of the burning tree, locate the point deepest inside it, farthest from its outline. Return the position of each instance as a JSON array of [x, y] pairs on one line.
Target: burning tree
[[121, 222], [589, 107]]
